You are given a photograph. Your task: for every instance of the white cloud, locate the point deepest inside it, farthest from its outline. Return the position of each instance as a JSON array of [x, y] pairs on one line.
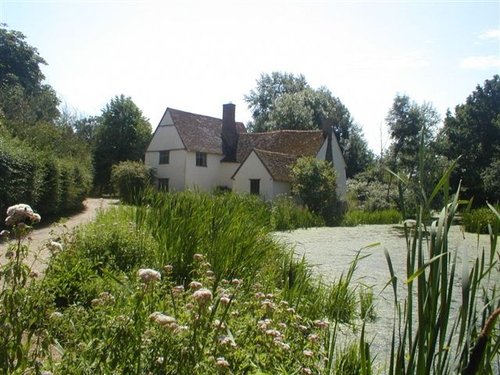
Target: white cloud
[[490, 34], [480, 62]]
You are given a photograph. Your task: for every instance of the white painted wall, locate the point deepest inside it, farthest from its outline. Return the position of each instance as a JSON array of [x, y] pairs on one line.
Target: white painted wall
[[281, 188], [174, 171], [226, 171], [253, 168], [166, 137], [202, 178]]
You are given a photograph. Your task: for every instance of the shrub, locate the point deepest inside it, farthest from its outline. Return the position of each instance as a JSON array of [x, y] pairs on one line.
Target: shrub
[[286, 214], [129, 178], [477, 220], [314, 183], [358, 217]]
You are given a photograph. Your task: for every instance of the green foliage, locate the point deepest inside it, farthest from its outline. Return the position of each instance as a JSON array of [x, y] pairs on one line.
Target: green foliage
[[287, 215], [269, 88], [130, 178], [438, 339], [98, 259], [371, 192], [267, 313], [55, 185], [20, 61], [408, 122], [314, 183], [477, 220], [23, 305], [359, 217], [123, 134], [24, 99], [472, 133], [284, 101]]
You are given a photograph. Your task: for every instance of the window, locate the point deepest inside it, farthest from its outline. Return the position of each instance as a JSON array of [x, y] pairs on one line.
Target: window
[[201, 159], [164, 157], [163, 184], [255, 186]]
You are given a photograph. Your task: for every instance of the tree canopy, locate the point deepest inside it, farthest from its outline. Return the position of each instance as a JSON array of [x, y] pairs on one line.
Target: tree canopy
[[123, 133], [406, 121], [285, 101], [24, 98], [473, 134]]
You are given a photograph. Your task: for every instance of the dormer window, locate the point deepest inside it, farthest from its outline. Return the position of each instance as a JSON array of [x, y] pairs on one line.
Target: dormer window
[[164, 157], [201, 159]]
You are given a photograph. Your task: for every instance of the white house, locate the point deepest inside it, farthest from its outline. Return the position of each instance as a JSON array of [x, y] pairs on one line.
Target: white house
[[190, 151]]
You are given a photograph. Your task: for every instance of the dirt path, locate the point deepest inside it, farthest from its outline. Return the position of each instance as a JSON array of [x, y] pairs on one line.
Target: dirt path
[[39, 254]]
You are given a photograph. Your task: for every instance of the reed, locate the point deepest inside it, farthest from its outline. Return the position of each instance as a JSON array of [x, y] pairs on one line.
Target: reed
[[431, 335]]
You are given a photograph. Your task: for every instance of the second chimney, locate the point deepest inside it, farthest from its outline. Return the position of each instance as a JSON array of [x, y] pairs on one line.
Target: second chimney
[[229, 133]]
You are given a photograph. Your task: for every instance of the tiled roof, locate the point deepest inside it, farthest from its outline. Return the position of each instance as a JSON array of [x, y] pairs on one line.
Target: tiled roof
[[291, 142], [199, 132], [277, 164]]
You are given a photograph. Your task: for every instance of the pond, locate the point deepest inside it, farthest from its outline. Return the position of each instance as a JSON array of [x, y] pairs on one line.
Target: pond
[[331, 250]]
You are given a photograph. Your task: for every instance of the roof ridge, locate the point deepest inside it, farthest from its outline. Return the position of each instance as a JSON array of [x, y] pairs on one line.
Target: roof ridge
[[192, 113], [288, 131]]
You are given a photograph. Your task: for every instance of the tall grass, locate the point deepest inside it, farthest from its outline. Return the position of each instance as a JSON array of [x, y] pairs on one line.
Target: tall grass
[[267, 312], [430, 335], [358, 217]]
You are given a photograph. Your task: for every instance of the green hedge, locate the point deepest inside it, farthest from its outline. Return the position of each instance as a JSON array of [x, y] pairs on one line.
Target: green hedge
[[51, 185], [358, 217], [477, 220]]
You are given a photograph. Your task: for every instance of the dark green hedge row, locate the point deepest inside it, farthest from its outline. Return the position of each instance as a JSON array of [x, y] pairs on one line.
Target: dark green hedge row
[[51, 185]]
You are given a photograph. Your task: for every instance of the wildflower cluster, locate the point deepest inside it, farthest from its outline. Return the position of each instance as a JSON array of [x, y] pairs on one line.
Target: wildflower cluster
[[20, 213]]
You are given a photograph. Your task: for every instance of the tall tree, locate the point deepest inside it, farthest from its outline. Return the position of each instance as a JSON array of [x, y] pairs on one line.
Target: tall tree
[[284, 101], [261, 101], [473, 134], [122, 134], [406, 121], [24, 98]]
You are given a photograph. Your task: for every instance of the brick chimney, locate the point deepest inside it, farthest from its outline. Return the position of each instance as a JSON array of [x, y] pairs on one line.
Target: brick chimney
[[229, 132]]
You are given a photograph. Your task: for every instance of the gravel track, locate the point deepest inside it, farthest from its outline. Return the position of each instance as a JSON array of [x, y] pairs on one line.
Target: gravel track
[[39, 255]]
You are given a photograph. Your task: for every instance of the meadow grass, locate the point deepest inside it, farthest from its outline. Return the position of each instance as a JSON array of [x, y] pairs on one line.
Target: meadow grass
[[192, 283], [222, 296]]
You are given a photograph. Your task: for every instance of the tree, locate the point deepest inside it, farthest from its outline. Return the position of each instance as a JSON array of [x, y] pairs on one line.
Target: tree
[[270, 87], [20, 62], [284, 101], [123, 134], [406, 121], [24, 98], [314, 183], [473, 134]]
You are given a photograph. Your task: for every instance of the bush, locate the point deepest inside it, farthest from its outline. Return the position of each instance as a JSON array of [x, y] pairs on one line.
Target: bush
[[129, 178], [358, 217], [477, 220], [287, 215], [314, 183]]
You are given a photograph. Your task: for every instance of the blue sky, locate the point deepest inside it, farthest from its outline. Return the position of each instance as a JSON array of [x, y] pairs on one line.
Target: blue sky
[[197, 55]]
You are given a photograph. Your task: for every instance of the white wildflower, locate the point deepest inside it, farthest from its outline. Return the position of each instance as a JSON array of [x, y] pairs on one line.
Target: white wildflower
[[203, 296], [148, 275], [195, 285], [55, 247]]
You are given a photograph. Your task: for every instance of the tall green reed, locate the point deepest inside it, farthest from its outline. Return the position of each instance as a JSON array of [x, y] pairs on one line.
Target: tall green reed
[[431, 333], [231, 230]]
